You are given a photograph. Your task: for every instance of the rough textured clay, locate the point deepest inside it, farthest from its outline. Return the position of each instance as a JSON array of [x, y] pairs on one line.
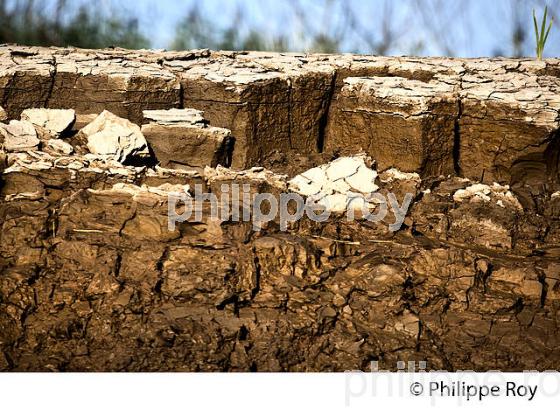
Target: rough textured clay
[[91, 279]]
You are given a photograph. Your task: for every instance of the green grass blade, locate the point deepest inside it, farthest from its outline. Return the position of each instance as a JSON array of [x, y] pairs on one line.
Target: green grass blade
[[541, 36], [536, 27], [547, 32], [543, 25]]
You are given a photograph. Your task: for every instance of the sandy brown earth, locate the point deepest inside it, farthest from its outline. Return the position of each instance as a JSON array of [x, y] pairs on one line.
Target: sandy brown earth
[[91, 279]]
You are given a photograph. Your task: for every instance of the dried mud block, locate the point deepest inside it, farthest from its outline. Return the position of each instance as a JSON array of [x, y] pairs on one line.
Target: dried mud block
[[253, 103], [90, 84], [54, 122], [59, 147], [312, 84], [407, 124], [26, 79], [272, 105], [508, 128], [112, 137], [182, 139], [18, 136]]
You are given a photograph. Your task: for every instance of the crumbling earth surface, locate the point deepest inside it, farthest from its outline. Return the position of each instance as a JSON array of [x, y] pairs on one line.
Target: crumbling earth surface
[[95, 142]]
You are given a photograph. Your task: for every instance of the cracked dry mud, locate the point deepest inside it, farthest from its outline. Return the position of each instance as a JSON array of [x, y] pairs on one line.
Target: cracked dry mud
[[91, 279]]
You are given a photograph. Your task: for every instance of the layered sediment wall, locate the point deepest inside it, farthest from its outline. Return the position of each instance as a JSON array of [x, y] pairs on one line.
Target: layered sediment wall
[[91, 278]]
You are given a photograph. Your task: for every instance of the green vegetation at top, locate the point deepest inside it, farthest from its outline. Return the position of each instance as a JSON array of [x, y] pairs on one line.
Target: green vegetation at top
[[378, 27], [27, 22], [542, 35]]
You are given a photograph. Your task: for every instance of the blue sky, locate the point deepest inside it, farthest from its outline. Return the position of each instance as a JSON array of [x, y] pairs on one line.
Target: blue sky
[[466, 28]]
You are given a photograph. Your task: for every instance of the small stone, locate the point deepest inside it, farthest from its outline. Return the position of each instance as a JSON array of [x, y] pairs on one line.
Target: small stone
[[363, 180], [328, 312], [339, 300], [175, 116], [357, 203], [316, 175], [53, 120], [59, 146], [19, 136], [509, 199], [304, 186], [343, 167], [479, 190], [482, 265], [409, 324], [393, 174], [3, 115], [339, 186], [334, 185], [334, 202], [116, 138]]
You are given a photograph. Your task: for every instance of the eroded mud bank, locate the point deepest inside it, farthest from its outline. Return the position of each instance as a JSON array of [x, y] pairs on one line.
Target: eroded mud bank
[[92, 279]]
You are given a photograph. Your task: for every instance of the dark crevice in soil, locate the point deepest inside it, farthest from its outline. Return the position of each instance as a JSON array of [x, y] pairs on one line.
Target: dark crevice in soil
[[324, 120], [457, 139], [53, 82], [544, 285], [118, 264]]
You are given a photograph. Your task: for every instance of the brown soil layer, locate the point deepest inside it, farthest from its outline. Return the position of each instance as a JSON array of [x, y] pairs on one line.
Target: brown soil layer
[[92, 280]]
